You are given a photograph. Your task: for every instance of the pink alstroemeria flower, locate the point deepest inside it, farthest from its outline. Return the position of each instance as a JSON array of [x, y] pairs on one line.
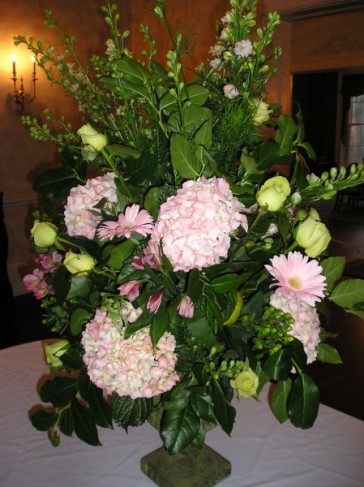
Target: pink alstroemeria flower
[[130, 289], [155, 301], [133, 220], [186, 307], [36, 283]]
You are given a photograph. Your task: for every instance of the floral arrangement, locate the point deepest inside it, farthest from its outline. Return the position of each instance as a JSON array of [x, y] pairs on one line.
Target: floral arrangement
[[178, 262]]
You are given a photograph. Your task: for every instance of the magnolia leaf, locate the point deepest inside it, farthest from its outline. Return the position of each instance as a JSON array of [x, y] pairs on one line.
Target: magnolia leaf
[[183, 157], [279, 365], [80, 287], [72, 357], [229, 282], [279, 399], [84, 424], [224, 412], [153, 200], [94, 396], [144, 171], [56, 183], [43, 420], [117, 254], [195, 285], [130, 412], [203, 405], [303, 402], [333, 268], [348, 293], [179, 428], [159, 326], [61, 282], [200, 328], [66, 422], [328, 354], [79, 318], [59, 391]]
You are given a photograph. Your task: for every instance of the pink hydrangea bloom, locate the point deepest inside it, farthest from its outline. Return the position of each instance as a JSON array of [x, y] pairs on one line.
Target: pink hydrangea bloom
[[130, 367], [230, 91], [306, 326], [154, 301], [130, 289], [243, 48], [186, 307], [37, 284], [81, 216], [194, 226], [133, 220], [296, 273]]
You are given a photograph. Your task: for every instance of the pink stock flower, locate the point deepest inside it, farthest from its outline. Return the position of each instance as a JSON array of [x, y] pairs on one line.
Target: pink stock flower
[[130, 367], [81, 216], [230, 91], [132, 220], [186, 307], [194, 226], [306, 327], [155, 301], [130, 289], [36, 284], [49, 262], [297, 274], [243, 48]]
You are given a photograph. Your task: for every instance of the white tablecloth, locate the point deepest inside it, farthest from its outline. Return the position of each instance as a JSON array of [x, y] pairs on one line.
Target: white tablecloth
[[262, 452]]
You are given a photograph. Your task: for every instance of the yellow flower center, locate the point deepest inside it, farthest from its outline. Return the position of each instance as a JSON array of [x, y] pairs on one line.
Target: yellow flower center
[[294, 282]]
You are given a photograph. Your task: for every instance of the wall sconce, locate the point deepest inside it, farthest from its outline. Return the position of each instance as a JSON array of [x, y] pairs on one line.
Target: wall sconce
[[19, 93]]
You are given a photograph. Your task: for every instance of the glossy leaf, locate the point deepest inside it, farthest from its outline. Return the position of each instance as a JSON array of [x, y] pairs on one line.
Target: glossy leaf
[[61, 282], [279, 365], [224, 412], [130, 412], [228, 282], [59, 391], [43, 420], [328, 354], [84, 424], [333, 267], [266, 154], [285, 136], [179, 428], [66, 422], [279, 399], [200, 328], [160, 325], [78, 319], [348, 293], [303, 403], [80, 287], [94, 396], [117, 254]]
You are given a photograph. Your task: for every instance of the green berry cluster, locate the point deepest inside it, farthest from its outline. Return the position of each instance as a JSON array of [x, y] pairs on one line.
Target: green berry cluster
[[229, 368], [271, 333]]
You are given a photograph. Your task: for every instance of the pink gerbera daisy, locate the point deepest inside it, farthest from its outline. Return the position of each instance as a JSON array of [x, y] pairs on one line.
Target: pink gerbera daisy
[[133, 220], [296, 273]]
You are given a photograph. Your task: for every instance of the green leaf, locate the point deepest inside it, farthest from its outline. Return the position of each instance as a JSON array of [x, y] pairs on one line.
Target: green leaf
[[203, 405], [123, 151], [228, 283], [179, 428], [84, 424], [72, 357], [160, 325], [279, 365], [61, 283], [94, 396], [284, 226], [203, 138], [80, 287], [286, 132], [224, 412], [56, 183], [279, 399], [195, 285], [197, 94], [43, 420], [168, 103], [303, 402], [59, 391], [348, 293], [132, 71], [66, 422], [328, 354], [194, 117], [117, 254], [153, 200], [183, 157], [130, 412], [79, 318], [201, 329], [266, 154], [333, 267], [142, 172]]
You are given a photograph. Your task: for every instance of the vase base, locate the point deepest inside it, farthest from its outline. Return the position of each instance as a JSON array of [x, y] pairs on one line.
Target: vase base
[[191, 468]]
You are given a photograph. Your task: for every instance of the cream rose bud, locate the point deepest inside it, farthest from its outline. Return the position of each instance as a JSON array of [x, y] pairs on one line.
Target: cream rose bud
[[313, 235], [44, 233], [273, 193], [261, 112], [246, 383], [92, 140], [77, 263], [54, 352]]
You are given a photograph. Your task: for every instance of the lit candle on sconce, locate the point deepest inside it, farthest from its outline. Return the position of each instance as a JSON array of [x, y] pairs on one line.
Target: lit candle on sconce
[[34, 65], [13, 60]]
